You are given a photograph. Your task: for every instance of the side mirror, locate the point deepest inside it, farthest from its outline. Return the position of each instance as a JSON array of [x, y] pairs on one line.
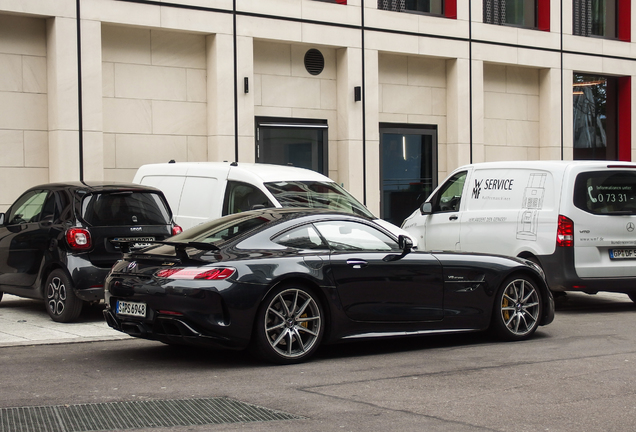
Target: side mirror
[[1, 218], [426, 208], [405, 243]]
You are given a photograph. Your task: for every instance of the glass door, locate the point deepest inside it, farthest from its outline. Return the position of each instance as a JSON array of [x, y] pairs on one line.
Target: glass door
[[408, 159]]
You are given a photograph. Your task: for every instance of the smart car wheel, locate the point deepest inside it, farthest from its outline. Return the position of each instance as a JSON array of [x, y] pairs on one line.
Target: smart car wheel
[[517, 309], [289, 326], [61, 302]]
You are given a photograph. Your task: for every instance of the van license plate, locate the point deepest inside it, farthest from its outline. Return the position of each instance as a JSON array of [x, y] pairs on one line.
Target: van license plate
[[622, 253], [131, 309]]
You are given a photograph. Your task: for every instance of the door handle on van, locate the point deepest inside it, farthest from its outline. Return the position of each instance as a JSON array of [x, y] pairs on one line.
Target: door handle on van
[[452, 217]]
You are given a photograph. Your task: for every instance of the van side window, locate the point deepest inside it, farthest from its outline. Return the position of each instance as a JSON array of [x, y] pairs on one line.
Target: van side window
[[449, 196], [240, 197]]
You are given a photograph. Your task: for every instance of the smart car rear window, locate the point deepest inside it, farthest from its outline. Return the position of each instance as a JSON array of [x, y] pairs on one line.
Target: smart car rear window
[[125, 208], [606, 192]]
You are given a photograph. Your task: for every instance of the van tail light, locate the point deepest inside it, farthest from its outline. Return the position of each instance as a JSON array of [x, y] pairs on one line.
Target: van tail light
[[78, 238], [217, 273], [176, 229], [565, 232]]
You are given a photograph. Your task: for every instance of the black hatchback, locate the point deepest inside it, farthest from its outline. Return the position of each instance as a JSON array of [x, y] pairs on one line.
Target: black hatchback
[[58, 241]]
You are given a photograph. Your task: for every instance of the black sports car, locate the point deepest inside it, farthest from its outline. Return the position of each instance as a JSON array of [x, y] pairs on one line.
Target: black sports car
[[283, 281]]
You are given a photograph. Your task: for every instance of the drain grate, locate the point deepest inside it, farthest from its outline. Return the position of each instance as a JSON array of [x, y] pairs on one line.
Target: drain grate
[[134, 415]]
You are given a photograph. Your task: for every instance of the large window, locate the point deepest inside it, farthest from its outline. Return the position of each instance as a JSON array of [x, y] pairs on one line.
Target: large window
[[594, 117], [602, 117], [296, 142], [533, 14], [447, 8], [609, 19]]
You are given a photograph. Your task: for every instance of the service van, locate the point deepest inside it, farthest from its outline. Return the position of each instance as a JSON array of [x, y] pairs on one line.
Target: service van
[[575, 219], [200, 191]]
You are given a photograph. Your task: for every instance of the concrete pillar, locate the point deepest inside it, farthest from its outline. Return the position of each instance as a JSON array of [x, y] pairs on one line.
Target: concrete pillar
[[247, 143], [550, 113], [457, 114], [92, 103], [372, 107], [349, 131], [62, 99], [220, 97]]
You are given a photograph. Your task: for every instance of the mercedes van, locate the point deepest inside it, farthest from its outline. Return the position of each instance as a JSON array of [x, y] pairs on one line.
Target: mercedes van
[[200, 191], [575, 219]]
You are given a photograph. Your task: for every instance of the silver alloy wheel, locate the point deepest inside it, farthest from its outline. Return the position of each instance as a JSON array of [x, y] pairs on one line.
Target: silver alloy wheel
[[520, 307], [56, 295], [292, 323]]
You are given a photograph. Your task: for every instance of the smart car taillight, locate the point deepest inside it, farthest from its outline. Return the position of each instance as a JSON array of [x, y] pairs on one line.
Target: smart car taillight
[[217, 273], [565, 232], [176, 229], [78, 238]]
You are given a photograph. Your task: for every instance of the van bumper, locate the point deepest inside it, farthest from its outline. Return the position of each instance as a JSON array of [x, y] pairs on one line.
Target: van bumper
[[561, 276]]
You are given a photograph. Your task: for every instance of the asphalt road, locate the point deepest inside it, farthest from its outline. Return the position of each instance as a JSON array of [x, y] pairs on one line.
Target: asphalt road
[[577, 374]]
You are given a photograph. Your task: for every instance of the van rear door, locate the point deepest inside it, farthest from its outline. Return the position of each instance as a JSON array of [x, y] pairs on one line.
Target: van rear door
[[604, 223]]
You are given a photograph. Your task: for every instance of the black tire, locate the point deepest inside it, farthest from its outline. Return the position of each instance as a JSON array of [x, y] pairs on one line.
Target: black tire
[[517, 309], [59, 297], [289, 325]]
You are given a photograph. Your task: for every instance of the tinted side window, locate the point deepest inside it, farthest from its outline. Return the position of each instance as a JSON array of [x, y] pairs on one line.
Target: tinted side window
[[27, 208], [449, 196], [125, 208], [606, 192], [353, 236], [240, 197], [304, 237]]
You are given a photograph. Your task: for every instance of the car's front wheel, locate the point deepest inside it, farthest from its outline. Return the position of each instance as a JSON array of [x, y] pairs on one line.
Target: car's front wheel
[[61, 302], [517, 310], [289, 325]]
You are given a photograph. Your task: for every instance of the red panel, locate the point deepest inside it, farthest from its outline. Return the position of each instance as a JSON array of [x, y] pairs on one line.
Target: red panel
[[543, 15], [450, 9], [625, 119], [341, 1], [625, 20]]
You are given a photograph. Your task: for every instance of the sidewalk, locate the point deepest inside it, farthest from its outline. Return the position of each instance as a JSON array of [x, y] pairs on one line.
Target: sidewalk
[[25, 322]]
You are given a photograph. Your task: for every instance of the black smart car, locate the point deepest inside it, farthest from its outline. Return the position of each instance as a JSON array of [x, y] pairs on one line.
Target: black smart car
[[58, 241]]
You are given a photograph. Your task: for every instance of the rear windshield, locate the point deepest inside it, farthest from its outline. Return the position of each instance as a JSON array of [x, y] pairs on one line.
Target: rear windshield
[[316, 194], [125, 208], [606, 192]]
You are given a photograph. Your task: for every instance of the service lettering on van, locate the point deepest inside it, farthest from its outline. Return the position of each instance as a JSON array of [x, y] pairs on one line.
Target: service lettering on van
[[491, 184]]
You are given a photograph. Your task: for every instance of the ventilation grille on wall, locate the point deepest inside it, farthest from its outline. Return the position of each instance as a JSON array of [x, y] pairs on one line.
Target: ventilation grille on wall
[[314, 61]]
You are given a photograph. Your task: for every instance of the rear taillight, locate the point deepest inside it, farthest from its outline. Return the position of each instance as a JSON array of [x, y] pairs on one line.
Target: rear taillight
[[565, 232], [78, 238], [219, 273], [176, 229]]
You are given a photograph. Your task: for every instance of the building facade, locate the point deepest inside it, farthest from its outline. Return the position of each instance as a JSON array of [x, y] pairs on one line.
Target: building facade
[[384, 96]]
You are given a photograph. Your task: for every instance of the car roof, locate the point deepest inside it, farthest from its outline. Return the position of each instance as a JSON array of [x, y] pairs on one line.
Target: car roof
[[234, 171], [95, 186]]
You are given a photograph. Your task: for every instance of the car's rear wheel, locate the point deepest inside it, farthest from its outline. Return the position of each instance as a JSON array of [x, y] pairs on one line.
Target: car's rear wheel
[[61, 302], [517, 310], [289, 325]]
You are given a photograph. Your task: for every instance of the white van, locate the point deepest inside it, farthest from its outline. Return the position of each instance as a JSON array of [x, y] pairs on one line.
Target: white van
[[576, 219], [200, 191]]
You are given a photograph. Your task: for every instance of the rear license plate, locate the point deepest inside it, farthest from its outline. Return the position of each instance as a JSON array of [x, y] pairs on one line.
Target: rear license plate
[[137, 242], [622, 253], [131, 309]]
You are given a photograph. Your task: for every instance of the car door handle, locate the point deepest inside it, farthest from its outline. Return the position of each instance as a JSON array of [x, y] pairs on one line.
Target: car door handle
[[357, 263], [452, 217]]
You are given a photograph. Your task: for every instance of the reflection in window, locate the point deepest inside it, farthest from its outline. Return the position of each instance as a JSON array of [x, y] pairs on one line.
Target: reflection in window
[[595, 113], [434, 7], [595, 18], [521, 13]]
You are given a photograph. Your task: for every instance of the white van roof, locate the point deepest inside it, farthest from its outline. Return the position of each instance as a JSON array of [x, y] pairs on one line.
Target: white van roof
[[239, 171], [555, 164]]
